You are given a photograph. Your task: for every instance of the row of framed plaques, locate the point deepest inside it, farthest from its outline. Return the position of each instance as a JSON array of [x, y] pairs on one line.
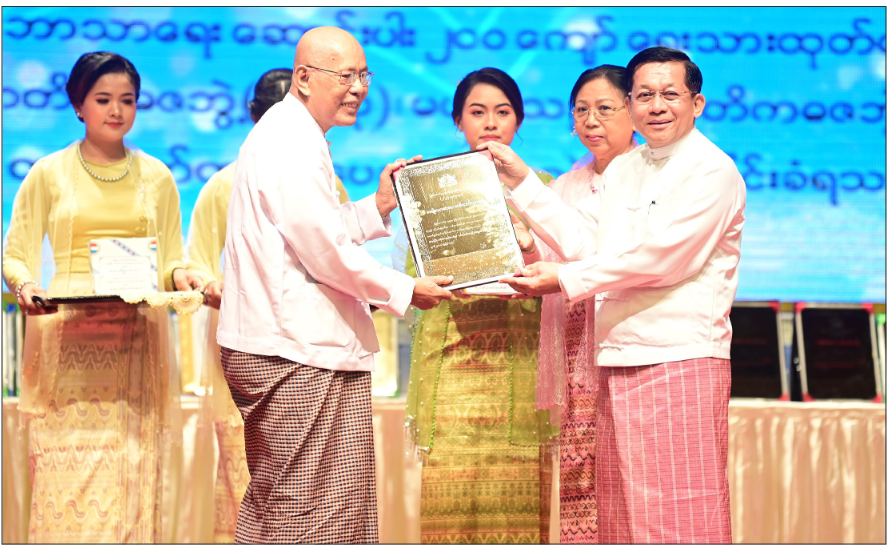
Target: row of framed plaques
[[837, 352]]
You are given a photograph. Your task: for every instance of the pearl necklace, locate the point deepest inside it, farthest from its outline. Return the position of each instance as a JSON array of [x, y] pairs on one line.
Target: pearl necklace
[[106, 179]]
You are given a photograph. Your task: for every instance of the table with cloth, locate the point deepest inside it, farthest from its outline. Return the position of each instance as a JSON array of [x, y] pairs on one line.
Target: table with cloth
[[799, 473]]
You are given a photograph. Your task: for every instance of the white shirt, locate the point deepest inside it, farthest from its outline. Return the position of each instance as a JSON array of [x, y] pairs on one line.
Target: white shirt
[[661, 244], [296, 282]]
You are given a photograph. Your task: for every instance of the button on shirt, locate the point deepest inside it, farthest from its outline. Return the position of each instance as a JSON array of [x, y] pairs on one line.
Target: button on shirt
[[661, 246], [296, 282]]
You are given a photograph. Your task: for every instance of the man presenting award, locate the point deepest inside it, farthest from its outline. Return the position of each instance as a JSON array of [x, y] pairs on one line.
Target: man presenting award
[[661, 251], [295, 326]]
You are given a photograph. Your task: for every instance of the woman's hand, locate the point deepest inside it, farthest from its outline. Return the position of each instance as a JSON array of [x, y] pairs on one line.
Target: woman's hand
[[512, 170], [385, 198], [186, 280], [213, 294], [524, 238], [27, 304]]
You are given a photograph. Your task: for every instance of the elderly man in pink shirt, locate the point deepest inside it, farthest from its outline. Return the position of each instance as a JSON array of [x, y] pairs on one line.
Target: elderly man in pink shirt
[[661, 251], [295, 327]]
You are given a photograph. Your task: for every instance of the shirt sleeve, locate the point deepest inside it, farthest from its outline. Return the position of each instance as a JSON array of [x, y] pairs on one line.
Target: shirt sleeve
[[205, 243], [363, 223], [321, 233], [169, 226], [571, 231], [363, 220], [29, 215], [698, 218]]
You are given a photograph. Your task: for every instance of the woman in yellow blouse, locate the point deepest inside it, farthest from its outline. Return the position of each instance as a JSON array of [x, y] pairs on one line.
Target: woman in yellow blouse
[[207, 238], [99, 384]]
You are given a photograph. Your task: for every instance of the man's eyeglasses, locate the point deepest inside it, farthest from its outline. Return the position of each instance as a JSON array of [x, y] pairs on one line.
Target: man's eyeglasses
[[602, 112], [669, 96], [348, 77]]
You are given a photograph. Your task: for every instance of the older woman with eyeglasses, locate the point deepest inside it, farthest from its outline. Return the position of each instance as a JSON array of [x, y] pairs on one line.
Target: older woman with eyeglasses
[[567, 374]]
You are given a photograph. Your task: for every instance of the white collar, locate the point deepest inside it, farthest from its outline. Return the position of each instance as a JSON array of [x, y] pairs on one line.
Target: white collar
[[656, 154], [289, 98]]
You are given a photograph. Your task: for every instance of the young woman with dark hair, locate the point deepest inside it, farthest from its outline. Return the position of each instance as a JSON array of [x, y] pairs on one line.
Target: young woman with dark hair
[[470, 407], [99, 385]]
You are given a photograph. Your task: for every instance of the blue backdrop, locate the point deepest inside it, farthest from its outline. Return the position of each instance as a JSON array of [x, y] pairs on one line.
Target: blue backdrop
[[795, 95]]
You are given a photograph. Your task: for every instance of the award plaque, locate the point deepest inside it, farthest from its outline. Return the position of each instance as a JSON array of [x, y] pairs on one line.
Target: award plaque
[[457, 219]]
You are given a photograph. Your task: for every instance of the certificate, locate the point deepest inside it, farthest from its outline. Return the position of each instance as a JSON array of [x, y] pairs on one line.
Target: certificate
[[123, 266], [457, 220]]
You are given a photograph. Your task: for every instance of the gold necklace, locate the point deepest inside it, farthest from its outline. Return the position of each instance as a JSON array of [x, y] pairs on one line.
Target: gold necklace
[[101, 178]]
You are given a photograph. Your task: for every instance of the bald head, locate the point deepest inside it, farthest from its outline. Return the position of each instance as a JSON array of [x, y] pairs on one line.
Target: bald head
[[322, 55], [322, 44]]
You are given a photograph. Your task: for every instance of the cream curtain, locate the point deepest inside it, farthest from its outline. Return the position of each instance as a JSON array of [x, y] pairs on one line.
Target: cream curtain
[[799, 473], [807, 472]]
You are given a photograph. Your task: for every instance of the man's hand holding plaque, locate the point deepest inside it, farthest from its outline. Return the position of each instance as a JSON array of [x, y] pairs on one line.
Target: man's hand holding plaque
[[428, 291], [385, 197], [512, 170], [537, 279]]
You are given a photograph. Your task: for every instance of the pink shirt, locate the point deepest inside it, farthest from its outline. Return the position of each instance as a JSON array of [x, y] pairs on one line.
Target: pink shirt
[[661, 245], [296, 281]]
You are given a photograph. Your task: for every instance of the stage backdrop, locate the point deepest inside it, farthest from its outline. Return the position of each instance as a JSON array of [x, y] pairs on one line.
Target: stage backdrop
[[795, 95]]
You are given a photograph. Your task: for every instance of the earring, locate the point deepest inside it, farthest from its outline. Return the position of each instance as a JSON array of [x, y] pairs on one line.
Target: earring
[[79, 115], [574, 132]]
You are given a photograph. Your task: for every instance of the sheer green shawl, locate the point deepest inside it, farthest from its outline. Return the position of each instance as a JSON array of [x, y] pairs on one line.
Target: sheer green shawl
[[476, 330]]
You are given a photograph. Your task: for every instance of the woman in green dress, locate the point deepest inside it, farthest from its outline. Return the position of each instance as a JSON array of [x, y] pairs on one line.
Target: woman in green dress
[[471, 398]]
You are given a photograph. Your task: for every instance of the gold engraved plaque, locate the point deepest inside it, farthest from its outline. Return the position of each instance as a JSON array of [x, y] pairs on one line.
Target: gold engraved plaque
[[457, 219]]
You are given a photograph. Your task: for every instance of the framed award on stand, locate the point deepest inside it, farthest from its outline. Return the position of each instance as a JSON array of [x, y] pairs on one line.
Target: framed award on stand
[[835, 354], [757, 354], [457, 219]]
